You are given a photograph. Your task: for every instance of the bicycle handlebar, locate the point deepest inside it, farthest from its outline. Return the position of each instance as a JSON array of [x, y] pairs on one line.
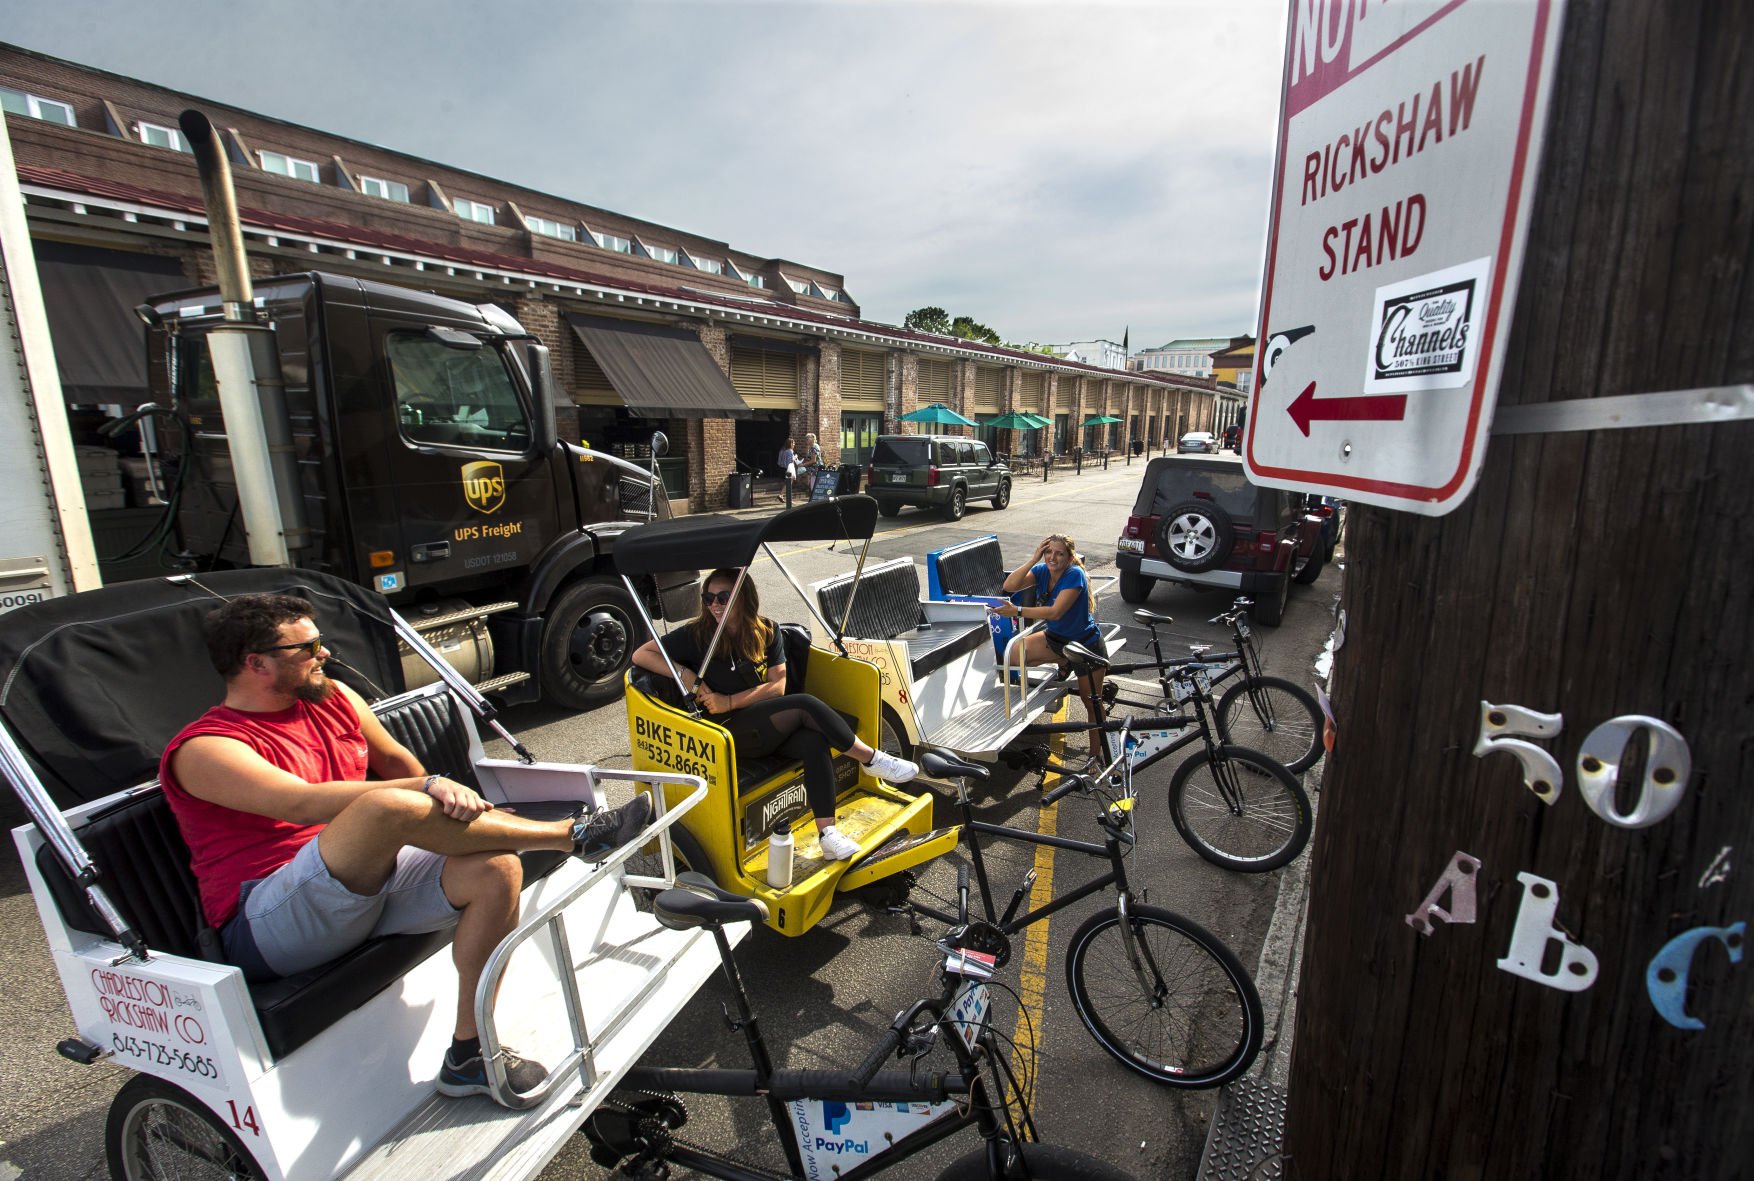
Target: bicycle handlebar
[[1068, 784], [886, 1045]]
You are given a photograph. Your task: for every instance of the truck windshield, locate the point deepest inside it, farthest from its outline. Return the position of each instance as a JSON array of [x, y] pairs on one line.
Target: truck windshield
[[461, 397], [899, 452]]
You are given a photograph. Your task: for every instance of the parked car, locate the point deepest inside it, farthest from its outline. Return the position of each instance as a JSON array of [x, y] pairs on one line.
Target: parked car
[[1201, 441], [944, 472], [1199, 522], [1233, 439]]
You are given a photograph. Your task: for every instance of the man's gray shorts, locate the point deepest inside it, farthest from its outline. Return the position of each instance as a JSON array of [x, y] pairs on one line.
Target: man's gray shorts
[[299, 916]]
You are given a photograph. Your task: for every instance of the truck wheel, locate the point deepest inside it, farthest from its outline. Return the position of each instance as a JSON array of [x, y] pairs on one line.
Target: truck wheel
[[1135, 587], [1004, 496], [958, 503], [889, 508], [156, 1129], [588, 640]]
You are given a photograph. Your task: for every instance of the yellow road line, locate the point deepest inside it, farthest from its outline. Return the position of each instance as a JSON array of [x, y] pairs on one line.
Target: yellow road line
[[1032, 977]]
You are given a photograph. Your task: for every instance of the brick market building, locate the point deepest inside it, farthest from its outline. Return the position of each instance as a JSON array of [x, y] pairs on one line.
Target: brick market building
[[115, 215]]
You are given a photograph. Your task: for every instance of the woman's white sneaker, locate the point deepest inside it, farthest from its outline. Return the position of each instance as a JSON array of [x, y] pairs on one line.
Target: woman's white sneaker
[[836, 846], [891, 769]]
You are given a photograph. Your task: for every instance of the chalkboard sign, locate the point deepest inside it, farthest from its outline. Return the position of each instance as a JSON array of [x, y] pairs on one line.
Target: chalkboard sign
[[826, 481]]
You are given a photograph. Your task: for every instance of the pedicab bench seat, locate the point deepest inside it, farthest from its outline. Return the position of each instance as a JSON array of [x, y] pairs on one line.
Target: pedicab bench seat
[[139, 851], [887, 607]]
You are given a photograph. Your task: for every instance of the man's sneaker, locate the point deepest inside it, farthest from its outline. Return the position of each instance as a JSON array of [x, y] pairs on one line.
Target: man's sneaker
[[836, 846], [890, 769], [596, 836], [469, 1077]]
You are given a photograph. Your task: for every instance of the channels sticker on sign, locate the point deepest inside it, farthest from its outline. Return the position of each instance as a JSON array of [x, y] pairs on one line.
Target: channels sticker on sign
[[1408, 144], [1427, 330]]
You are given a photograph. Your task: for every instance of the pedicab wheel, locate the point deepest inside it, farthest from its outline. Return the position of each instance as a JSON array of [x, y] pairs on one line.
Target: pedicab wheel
[[1042, 1162], [892, 736], [158, 1130]]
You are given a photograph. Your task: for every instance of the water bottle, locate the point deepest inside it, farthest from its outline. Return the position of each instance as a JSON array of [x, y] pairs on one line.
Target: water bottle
[[779, 856]]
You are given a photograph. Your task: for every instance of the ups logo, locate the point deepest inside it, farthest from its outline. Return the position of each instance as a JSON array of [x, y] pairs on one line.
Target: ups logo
[[484, 485]]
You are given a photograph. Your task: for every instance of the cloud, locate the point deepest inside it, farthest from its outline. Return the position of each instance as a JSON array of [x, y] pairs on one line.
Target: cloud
[[1056, 170]]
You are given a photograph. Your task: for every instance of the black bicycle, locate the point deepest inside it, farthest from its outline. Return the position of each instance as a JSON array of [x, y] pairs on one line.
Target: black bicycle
[[1235, 807], [840, 1124], [1270, 714], [1161, 994]]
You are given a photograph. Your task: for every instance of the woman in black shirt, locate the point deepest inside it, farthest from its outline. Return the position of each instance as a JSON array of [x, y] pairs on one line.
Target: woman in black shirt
[[744, 690]]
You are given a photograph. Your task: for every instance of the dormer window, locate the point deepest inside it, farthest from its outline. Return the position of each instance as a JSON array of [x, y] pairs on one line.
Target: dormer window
[[283, 165], [389, 190], [549, 228], [475, 211], [613, 242], [158, 136], [49, 110], [660, 253]]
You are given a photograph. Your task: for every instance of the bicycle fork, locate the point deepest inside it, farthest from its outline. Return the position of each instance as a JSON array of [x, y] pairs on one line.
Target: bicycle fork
[[1145, 968]]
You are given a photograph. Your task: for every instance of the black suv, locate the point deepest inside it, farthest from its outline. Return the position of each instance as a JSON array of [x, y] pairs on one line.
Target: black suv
[[1198, 521], [935, 471]]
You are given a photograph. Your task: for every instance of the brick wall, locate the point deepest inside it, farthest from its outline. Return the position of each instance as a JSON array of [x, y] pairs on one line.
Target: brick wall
[[828, 400], [542, 319], [712, 442], [908, 393]]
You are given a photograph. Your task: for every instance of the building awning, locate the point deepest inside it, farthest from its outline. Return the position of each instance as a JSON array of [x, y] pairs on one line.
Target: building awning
[[90, 296], [659, 372]]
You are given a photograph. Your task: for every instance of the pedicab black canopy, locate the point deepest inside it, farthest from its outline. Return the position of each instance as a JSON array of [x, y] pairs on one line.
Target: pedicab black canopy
[[711, 541], [92, 686]]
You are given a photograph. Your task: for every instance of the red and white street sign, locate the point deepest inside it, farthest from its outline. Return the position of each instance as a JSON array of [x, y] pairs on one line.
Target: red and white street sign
[[1409, 136]]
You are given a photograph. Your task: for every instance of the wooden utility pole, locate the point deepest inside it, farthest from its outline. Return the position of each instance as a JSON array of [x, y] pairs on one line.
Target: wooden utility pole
[[1595, 1018]]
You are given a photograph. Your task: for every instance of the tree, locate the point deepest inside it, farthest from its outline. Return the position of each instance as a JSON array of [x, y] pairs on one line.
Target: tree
[[928, 320], [968, 329]]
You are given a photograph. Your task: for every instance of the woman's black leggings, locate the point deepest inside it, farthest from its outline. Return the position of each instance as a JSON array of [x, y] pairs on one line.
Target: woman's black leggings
[[801, 726]]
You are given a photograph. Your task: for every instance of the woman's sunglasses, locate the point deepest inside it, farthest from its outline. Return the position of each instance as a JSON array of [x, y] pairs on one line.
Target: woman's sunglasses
[[722, 598]]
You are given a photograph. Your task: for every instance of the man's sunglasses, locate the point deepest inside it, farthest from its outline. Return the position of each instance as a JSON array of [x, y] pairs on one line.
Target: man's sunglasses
[[312, 647], [721, 597]]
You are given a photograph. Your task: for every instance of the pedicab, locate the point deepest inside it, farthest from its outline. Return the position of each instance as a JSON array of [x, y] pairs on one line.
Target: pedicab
[[728, 835], [329, 1073], [941, 657]]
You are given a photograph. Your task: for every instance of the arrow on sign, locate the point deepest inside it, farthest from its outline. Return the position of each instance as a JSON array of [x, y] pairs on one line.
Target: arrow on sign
[[1366, 408]]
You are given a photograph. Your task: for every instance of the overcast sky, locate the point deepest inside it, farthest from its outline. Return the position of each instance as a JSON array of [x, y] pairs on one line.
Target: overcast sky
[[1059, 171]]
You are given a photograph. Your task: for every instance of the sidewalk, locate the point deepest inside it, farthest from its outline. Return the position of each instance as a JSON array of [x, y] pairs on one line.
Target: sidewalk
[[1247, 1133]]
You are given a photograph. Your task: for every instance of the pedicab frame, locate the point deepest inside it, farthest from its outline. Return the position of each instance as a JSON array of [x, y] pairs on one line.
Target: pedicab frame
[[320, 1093]]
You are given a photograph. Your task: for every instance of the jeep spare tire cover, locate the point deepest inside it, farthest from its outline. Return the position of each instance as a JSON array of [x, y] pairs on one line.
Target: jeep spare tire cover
[[1195, 536]]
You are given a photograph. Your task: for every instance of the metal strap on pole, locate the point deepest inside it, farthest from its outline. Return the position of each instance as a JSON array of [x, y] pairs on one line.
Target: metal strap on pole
[[1728, 403]]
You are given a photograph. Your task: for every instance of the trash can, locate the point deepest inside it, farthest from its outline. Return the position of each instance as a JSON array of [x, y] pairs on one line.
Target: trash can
[[1138, 447], [742, 490], [849, 480]]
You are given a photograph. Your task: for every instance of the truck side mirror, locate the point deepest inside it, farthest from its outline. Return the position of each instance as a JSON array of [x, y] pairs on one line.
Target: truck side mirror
[[544, 437]]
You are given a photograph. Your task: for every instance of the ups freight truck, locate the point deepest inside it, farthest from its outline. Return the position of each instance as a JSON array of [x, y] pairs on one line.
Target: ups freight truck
[[411, 447]]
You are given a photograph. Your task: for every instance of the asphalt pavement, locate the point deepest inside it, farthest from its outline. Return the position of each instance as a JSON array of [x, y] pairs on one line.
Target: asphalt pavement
[[824, 997]]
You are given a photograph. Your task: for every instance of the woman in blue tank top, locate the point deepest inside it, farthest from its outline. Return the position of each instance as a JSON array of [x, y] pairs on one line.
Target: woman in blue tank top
[[1065, 603]]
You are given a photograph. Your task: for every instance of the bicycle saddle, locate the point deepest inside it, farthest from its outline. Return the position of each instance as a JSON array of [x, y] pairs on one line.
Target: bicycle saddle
[[1145, 616], [1083, 659], [696, 901], [938, 764]]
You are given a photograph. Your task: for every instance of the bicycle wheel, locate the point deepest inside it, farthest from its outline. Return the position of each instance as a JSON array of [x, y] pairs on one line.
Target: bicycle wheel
[[1184, 1013], [1245, 812], [1042, 1162], [1274, 716]]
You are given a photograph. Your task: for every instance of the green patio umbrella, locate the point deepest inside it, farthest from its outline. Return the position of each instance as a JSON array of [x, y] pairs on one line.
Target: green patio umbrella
[[1101, 420], [1014, 421], [1037, 420], [938, 413]]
